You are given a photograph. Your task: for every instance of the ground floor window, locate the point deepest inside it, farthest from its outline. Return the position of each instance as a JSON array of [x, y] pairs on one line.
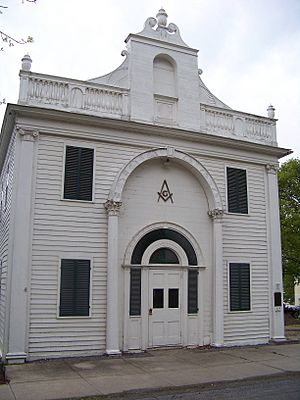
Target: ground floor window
[[193, 291], [74, 288], [135, 292], [239, 282]]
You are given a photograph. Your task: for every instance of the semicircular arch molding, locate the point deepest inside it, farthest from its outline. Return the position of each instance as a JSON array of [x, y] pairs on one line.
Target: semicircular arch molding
[[165, 243], [189, 162], [164, 226]]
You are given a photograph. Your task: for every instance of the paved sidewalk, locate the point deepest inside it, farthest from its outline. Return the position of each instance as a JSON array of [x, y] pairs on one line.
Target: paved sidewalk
[[58, 379]]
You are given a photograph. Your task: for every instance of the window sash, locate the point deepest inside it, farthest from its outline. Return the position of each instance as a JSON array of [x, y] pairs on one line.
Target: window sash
[[135, 292], [74, 288], [193, 291], [237, 194], [240, 291], [78, 180]]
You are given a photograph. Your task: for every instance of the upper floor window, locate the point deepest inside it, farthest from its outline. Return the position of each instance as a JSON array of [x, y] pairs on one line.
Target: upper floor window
[[79, 166], [237, 195]]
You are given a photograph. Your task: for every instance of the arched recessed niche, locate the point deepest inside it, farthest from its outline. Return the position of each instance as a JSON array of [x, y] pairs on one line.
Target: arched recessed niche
[[165, 89], [164, 75]]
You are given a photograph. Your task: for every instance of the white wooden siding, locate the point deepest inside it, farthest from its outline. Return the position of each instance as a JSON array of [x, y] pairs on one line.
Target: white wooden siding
[[4, 234], [71, 229], [245, 240]]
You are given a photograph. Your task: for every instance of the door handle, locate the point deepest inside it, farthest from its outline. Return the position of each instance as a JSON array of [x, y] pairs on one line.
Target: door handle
[[150, 311]]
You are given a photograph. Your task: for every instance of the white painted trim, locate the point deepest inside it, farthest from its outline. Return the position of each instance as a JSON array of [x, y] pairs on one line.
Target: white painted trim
[[165, 243], [19, 247], [32, 213], [164, 225], [205, 178], [274, 245], [218, 283]]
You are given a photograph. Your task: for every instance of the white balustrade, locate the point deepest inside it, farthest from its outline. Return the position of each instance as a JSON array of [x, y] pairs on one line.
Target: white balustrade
[[38, 89], [238, 125]]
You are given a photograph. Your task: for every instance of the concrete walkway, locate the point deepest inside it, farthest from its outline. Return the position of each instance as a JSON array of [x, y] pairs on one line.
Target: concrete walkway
[[59, 379]]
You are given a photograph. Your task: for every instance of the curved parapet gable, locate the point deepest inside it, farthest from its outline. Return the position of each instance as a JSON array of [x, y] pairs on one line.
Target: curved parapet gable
[[118, 77], [207, 97]]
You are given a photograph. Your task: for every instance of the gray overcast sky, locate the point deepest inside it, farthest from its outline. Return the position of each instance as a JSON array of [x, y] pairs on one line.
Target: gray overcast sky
[[249, 50]]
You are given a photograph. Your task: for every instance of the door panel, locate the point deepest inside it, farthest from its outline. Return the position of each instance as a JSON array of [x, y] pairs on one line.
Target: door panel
[[164, 307]]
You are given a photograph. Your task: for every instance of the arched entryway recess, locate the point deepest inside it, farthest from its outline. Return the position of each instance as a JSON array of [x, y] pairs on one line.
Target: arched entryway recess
[[163, 293], [114, 328]]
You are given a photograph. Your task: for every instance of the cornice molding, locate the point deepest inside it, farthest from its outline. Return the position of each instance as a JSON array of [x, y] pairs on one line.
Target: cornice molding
[[147, 128]]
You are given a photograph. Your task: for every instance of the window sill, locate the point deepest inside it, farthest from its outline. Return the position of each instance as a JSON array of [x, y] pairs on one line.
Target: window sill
[[241, 312], [79, 201], [74, 317], [237, 214]]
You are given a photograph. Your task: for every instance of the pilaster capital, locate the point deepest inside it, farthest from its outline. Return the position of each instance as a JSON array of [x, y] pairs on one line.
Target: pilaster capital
[[272, 168], [216, 214], [113, 207], [27, 134]]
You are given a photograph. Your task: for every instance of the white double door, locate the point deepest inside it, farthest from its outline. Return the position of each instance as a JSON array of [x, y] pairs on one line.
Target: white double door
[[164, 314]]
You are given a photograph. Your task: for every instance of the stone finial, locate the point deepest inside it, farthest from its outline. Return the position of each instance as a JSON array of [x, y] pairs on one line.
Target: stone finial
[[158, 28], [26, 62], [271, 111], [162, 18]]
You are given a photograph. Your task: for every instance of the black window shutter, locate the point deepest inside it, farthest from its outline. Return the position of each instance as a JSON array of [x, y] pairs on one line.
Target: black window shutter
[[192, 291], [237, 190], [74, 288], [78, 183], [239, 277], [135, 291]]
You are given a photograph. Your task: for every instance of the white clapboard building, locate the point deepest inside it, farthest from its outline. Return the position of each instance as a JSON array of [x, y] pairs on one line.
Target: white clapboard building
[[137, 210]]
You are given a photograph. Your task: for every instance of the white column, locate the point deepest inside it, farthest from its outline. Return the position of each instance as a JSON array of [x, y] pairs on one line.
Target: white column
[[276, 313], [20, 246], [112, 294], [218, 278]]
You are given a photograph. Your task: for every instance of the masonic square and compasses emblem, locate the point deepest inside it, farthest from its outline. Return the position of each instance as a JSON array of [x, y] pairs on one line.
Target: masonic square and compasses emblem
[[165, 193]]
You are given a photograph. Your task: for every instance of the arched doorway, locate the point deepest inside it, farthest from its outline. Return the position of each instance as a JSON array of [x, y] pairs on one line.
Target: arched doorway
[[164, 291]]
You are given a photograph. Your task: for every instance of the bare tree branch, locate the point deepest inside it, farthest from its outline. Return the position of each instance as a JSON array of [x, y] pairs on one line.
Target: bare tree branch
[[11, 41]]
